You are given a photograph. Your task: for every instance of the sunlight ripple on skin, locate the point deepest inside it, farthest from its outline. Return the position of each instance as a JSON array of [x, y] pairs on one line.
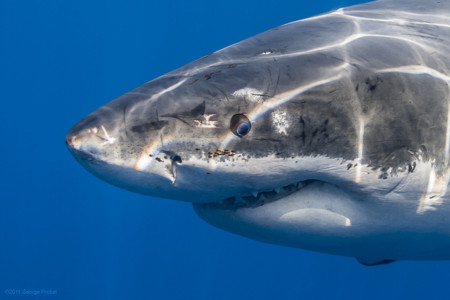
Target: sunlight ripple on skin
[[437, 184], [330, 134]]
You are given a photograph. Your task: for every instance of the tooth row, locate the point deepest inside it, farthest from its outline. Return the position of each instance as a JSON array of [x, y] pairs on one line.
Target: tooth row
[[259, 198]]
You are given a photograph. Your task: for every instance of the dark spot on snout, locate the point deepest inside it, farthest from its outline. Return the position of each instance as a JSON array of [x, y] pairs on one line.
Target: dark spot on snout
[[144, 128], [303, 134], [196, 112], [177, 159], [372, 83], [383, 175], [173, 156], [210, 75]]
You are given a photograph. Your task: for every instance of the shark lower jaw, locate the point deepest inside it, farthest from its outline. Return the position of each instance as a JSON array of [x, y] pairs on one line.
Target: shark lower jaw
[[328, 218], [312, 214]]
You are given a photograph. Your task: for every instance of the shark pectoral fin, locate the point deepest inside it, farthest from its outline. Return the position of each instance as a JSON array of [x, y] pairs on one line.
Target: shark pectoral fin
[[374, 262]]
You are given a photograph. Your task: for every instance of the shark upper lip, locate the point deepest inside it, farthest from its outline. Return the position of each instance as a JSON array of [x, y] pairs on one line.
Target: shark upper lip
[[259, 198]]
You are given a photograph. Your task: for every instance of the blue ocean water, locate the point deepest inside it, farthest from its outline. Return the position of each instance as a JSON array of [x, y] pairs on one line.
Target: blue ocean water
[[68, 235]]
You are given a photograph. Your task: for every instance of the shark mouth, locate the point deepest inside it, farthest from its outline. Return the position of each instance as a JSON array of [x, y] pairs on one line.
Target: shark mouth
[[258, 198]]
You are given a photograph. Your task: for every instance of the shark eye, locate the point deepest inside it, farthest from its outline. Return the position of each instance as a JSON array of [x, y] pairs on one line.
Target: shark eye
[[240, 125]]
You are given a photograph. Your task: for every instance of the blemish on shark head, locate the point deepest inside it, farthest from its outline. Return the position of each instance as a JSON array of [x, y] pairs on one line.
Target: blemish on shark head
[[330, 133], [280, 121], [207, 122], [250, 94]]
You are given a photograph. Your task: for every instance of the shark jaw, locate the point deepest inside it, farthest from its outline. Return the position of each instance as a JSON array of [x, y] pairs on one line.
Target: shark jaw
[[325, 214], [323, 217], [312, 215]]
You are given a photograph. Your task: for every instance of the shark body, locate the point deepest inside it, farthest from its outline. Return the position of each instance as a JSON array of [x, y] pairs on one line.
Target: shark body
[[330, 134]]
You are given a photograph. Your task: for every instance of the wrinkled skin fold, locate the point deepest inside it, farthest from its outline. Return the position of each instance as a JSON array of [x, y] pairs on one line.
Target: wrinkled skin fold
[[330, 134]]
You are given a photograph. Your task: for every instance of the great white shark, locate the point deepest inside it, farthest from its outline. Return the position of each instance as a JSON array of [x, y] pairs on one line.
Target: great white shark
[[330, 133]]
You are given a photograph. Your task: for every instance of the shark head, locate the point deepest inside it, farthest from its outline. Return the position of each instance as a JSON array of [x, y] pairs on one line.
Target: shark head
[[321, 141], [215, 130]]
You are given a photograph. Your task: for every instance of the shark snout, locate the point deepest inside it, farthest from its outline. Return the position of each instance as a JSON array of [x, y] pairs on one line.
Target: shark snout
[[89, 137]]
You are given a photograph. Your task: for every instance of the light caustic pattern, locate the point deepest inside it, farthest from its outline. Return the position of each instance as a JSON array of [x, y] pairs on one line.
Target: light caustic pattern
[[399, 25], [437, 186], [438, 181], [401, 19]]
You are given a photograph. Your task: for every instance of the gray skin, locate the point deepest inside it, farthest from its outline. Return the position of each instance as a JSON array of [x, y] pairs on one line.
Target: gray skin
[[348, 151]]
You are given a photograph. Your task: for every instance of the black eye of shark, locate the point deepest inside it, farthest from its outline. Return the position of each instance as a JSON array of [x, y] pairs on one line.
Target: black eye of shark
[[240, 125]]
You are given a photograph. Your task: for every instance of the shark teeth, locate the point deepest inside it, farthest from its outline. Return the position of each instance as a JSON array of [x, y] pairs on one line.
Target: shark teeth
[[262, 198], [255, 199], [239, 200]]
